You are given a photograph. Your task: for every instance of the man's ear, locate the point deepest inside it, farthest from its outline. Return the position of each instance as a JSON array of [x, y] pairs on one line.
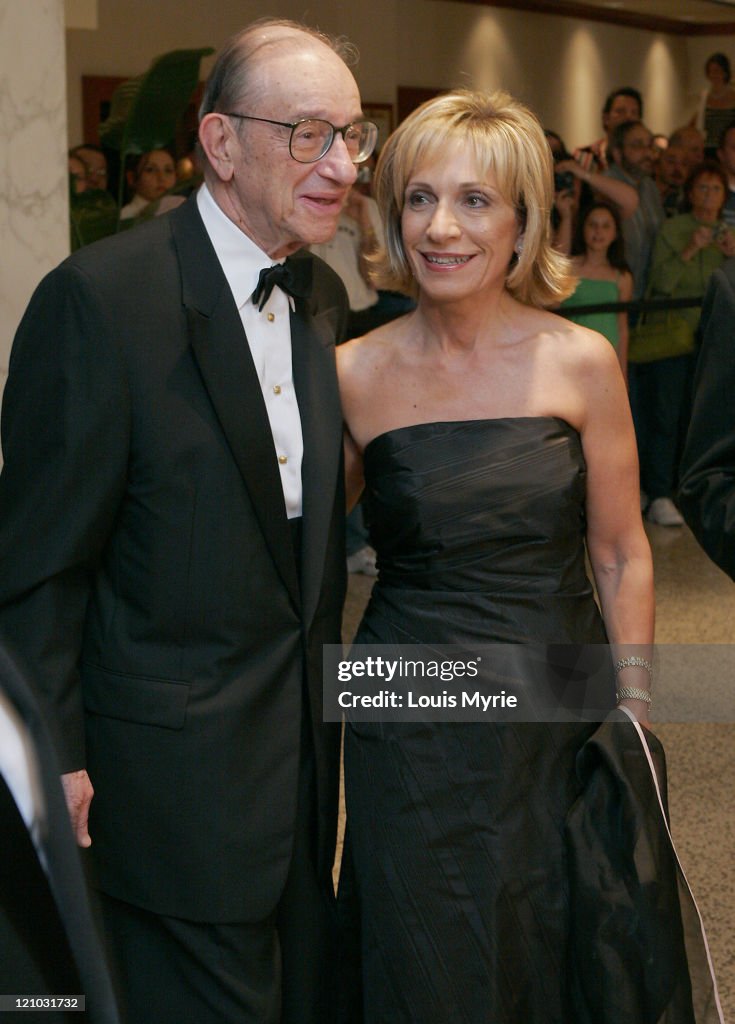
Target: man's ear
[[218, 140]]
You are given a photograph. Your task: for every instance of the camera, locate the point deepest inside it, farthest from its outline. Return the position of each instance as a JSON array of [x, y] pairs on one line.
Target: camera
[[720, 232], [563, 181]]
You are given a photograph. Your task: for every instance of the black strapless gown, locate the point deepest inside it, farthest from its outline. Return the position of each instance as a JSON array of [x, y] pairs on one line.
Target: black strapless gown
[[456, 882]]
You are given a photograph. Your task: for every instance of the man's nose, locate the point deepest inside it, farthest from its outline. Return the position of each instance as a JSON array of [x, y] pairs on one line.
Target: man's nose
[[337, 162]]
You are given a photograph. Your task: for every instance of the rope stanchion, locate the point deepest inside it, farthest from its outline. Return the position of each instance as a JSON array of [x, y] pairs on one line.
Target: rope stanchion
[[634, 306]]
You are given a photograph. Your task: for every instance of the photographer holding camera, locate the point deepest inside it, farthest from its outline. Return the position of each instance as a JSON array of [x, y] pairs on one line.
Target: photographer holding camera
[[571, 175]]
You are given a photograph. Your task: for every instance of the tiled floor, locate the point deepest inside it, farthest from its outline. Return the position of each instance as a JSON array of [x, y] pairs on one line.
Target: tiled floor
[[695, 606]]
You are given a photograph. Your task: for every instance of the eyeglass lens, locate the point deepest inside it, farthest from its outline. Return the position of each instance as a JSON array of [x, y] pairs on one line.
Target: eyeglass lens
[[311, 139]]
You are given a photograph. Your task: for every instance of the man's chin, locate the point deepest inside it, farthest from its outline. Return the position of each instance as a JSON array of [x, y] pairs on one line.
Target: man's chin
[[324, 231]]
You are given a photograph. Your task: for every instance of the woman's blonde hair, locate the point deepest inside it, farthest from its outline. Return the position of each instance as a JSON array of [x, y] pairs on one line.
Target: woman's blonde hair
[[508, 140]]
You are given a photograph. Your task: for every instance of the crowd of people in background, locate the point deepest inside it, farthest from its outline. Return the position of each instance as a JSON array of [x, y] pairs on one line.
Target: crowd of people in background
[[659, 238]]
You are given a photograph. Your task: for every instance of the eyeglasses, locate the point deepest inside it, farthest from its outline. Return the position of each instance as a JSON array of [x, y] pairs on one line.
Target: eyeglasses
[[311, 138], [705, 187]]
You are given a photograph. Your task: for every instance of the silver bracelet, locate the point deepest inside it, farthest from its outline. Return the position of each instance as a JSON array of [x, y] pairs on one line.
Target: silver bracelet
[[634, 662], [633, 693]]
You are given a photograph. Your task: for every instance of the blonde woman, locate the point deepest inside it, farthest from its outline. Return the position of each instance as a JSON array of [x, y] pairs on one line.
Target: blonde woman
[[494, 443]]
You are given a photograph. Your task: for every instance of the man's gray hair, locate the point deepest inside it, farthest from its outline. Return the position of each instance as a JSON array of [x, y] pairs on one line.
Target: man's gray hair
[[229, 80]]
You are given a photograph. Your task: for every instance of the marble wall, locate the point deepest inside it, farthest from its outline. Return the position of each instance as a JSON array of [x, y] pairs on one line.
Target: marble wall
[[34, 215]]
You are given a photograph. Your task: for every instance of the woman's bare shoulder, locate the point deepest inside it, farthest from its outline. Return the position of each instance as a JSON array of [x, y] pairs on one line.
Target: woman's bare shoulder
[[369, 355], [576, 351]]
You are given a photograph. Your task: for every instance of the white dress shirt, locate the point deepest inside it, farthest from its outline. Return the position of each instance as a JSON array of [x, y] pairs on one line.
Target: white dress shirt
[[269, 336]]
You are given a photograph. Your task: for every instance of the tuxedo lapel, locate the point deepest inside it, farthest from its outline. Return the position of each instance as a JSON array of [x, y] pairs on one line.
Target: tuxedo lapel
[[315, 380], [225, 363]]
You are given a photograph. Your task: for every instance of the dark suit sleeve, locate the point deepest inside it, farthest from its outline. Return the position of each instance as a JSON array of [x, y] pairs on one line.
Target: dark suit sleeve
[[65, 433], [707, 487]]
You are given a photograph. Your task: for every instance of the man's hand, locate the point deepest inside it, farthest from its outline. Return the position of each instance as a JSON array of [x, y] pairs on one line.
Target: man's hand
[[78, 792]]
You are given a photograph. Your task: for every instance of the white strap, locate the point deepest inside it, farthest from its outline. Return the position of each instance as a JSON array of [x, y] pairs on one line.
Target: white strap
[[647, 752]]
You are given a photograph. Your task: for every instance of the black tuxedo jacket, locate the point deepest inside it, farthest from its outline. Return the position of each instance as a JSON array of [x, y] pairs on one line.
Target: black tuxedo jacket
[[147, 571], [707, 475], [48, 941]]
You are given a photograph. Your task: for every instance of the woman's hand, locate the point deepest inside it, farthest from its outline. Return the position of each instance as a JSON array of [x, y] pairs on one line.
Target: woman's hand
[[700, 239]]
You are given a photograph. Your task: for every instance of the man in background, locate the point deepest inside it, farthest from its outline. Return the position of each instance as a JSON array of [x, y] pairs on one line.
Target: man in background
[[691, 140], [95, 164], [623, 104], [670, 175], [631, 148]]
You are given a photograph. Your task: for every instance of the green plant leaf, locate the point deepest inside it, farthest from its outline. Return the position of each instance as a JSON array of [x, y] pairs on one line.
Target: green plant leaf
[[93, 215], [145, 110]]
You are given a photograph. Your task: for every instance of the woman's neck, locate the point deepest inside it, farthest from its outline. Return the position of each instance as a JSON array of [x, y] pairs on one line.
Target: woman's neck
[[594, 264], [705, 218], [596, 259], [459, 326]]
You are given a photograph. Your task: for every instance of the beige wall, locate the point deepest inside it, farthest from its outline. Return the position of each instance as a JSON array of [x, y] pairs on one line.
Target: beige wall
[[563, 67], [34, 210]]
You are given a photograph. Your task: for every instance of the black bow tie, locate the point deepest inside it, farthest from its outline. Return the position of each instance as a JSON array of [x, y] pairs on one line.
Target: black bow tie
[[293, 277]]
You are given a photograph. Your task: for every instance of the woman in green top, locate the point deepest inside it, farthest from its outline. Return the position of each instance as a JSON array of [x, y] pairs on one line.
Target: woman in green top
[[688, 249], [690, 246], [598, 258]]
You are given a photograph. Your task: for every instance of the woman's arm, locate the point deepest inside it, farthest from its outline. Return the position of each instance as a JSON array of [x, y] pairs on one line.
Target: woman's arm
[[625, 290], [618, 548], [566, 205]]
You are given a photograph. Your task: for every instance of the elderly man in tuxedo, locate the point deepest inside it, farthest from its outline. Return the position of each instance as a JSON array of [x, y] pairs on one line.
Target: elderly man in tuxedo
[[707, 472], [172, 553]]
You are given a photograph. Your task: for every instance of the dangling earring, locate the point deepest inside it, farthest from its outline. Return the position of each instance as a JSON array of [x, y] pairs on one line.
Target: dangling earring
[[518, 247]]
